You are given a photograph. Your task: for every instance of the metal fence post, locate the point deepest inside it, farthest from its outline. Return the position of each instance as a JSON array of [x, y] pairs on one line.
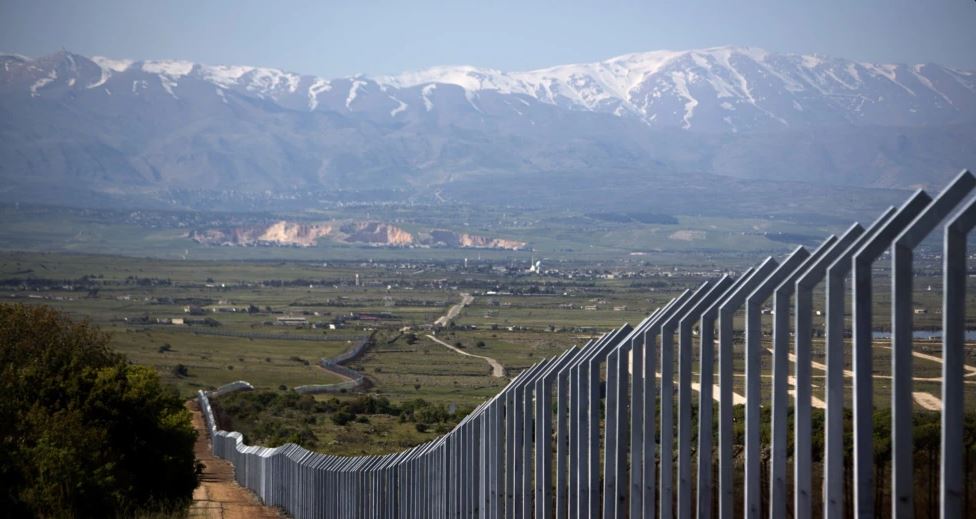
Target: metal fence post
[[726, 312], [864, 351], [649, 445], [781, 347], [685, 324], [754, 301], [706, 394], [953, 343], [901, 336], [667, 398]]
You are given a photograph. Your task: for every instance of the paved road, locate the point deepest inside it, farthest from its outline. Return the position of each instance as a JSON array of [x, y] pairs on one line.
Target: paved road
[[219, 496], [497, 370]]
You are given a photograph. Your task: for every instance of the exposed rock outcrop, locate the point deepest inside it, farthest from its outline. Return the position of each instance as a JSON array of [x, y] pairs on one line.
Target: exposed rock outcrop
[[297, 234]]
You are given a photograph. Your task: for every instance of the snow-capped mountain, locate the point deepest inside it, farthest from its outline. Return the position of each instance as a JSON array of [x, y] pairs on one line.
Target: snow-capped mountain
[[730, 89], [710, 90], [743, 112]]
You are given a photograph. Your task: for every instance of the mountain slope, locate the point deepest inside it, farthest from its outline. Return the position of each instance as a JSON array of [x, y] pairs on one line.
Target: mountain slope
[[734, 89], [71, 124]]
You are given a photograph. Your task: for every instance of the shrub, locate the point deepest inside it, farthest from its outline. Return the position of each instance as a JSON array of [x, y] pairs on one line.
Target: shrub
[[343, 417], [83, 433]]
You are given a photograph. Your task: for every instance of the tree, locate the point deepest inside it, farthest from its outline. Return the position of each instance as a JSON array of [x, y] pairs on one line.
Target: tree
[[83, 432]]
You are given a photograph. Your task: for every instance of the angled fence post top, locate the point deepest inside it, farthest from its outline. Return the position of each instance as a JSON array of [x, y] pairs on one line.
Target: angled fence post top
[[735, 299], [711, 313], [720, 288], [788, 284], [938, 210], [762, 290], [880, 241], [671, 322], [667, 312], [817, 269], [964, 220]]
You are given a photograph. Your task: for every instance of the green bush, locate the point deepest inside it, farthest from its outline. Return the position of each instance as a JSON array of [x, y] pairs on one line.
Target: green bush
[[343, 417], [83, 433]]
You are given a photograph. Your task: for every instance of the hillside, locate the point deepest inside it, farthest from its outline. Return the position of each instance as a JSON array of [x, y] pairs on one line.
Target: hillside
[[84, 130]]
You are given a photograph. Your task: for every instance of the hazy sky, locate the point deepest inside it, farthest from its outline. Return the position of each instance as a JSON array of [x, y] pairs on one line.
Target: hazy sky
[[331, 38]]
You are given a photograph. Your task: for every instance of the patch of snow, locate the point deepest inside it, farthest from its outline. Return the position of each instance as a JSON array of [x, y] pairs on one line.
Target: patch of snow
[[40, 83], [168, 83], [809, 61], [917, 70], [724, 57], [318, 86], [112, 65], [964, 78], [220, 94], [400, 107], [71, 82], [797, 106], [425, 92], [172, 68], [727, 106], [470, 97], [14, 55], [264, 81], [589, 85], [224, 75], [101, 81], [681, 87], [845, 84], [889, 72], [354, 91]]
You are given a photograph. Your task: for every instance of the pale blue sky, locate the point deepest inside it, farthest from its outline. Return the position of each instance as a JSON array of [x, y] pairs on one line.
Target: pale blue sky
[[331, 38]]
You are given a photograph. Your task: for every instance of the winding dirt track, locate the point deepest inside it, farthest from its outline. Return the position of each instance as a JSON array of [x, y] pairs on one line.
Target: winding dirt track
[[219, 496], [497, 370]]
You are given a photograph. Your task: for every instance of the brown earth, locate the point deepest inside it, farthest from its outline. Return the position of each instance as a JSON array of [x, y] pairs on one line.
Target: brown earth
[[219, 496]]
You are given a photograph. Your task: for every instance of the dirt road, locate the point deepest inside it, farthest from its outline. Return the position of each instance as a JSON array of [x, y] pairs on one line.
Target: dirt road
[[497, 370], [453, 312], [219, 496]]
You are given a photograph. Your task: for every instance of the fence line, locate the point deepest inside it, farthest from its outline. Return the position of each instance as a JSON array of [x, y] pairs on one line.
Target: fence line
[[535, 448], [334, 364]]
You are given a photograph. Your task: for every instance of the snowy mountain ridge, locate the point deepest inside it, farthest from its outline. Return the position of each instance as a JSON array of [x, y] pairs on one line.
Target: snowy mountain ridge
[[718, 89], [72, 124]]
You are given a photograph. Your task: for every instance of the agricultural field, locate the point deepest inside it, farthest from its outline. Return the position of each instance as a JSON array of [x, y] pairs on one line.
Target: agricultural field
[[204, 323]]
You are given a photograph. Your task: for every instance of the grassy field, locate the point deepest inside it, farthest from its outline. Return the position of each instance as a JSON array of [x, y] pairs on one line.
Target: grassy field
[[557, 235], [231, 311]]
